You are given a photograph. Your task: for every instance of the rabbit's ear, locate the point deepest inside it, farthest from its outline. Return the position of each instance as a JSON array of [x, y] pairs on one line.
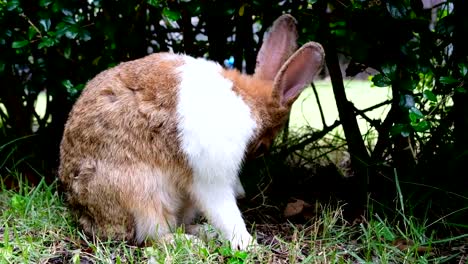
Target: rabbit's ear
[[280, 42], [297, 73]]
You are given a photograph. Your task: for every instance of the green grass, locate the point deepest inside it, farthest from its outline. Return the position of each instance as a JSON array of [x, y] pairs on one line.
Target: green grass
[[305, 111], [36, 227]]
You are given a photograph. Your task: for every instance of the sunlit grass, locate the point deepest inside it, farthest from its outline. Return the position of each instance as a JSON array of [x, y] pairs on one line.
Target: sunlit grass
[[361, 93]]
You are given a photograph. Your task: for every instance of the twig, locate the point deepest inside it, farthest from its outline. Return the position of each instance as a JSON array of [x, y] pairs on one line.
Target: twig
[[319, 104], [314, 137], [31, 23]]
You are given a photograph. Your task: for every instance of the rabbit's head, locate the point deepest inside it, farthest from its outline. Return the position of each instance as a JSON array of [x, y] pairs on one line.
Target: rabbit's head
[[281, 74]]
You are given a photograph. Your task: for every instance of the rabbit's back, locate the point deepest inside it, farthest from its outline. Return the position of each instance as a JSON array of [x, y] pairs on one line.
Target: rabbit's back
[[120, 147], [125, 115]]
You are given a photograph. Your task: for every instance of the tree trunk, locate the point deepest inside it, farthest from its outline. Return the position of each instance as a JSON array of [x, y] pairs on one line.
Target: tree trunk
[[460, 99], [360, 158], [187, 31], [460, 56], [244, 44], [217, 24]]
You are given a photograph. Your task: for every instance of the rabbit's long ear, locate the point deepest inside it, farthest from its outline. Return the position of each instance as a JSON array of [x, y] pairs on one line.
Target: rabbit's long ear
[[280, 42], [297, 73]]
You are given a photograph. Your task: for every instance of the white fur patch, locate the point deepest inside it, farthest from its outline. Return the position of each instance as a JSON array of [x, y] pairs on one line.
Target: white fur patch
[[215, 124]]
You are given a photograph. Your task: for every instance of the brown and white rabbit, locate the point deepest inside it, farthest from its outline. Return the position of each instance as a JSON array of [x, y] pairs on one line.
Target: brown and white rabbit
[[152, 141]]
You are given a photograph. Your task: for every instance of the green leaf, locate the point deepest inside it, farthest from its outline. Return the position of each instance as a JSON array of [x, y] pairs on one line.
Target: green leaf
[[45, 23], [463, 69], [225, 251], [46, 42], [407, 101], [428, 94], [85, 35], [69, 19], [69, 15], [395, 11], [14, 5], [80, 87], [52, 34], [241, 255], [18, 202], [400, 129], [193, 8], [396, 129], [230, 11], [72, 31], [61, 29], [19, 44], [421, 126], [416, 112], [381, 80], [409, 84], [235, 261], [67, 52], [204, 252], [241, 10], [67, 84], [338, 32], [171, 14], [405, 133], [154, 3], [448, 80], [31, 32], [413, 117], [460, 90], [44, 3], [389, 71], [96, 60]]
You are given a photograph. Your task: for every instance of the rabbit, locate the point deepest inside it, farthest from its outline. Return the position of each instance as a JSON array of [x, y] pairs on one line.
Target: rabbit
[[151, 142]]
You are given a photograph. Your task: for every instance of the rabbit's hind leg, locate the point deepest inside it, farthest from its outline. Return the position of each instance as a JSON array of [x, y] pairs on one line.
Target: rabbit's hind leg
[[153, 222], [118, 228], [95, 201], [155, 203]]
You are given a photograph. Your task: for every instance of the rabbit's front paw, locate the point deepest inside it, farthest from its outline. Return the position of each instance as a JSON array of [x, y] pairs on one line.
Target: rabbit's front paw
[[243, 241]]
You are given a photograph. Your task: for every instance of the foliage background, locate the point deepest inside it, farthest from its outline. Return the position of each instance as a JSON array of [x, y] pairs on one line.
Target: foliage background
[[416, 47]]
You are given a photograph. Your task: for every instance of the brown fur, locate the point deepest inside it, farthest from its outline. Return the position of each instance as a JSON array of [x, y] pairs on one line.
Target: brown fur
[[269, 114], [120, 158], [123, 119]]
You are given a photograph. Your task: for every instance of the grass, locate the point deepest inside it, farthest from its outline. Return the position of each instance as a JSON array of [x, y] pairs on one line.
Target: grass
[[36, 227], [361, 93]]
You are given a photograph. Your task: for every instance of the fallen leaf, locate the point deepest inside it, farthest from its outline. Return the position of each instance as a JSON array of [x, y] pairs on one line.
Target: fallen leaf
[[295, 208]]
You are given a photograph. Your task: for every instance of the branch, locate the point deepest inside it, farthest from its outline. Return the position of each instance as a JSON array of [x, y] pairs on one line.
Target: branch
[[313, 137], [376, 106], [319, 104], [31, 23], [373, 122]]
